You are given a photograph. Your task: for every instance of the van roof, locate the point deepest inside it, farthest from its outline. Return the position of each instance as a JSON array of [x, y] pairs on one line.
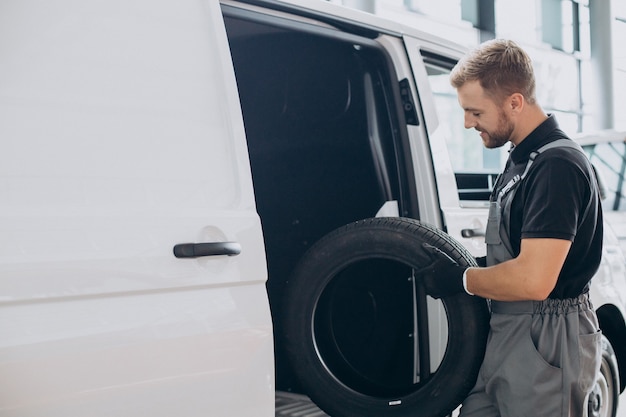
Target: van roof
[[357, 21]]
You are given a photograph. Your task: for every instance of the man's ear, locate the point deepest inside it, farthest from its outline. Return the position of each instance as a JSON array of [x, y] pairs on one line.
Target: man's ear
[[516, 102]]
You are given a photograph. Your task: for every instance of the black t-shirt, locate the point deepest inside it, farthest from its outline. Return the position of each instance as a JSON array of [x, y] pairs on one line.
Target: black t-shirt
[[557, 199]]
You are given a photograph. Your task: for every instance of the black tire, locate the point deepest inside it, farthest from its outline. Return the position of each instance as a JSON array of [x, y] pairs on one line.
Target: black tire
[[348, 316], [604, 397]]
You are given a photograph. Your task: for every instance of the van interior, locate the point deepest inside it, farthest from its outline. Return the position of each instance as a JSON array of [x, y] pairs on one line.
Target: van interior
[[321, 120]]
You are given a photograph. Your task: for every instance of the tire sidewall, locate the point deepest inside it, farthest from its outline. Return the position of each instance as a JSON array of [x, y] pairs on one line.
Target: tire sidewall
[[397, 240]]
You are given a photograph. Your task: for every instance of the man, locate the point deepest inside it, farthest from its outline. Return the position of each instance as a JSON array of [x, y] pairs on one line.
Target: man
[[544, 243]]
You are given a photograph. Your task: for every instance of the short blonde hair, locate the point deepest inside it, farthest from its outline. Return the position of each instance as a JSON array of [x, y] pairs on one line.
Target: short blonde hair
[[501, 66]]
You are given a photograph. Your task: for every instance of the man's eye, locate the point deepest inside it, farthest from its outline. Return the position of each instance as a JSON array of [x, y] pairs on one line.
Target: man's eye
[[476, 114]]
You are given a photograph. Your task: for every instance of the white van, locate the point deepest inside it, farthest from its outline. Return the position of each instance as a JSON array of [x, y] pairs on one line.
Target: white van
[[171, 175]]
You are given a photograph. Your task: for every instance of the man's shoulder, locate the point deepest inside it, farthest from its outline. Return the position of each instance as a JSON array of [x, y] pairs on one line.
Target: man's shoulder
[[562, 164], [559, 145]]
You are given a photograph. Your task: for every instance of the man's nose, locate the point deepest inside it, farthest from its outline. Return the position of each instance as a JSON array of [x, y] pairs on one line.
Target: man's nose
[[470, 122]]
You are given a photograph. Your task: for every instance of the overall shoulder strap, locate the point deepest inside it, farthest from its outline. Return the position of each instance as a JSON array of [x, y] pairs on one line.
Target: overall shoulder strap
[[567, 143], [563, 143]]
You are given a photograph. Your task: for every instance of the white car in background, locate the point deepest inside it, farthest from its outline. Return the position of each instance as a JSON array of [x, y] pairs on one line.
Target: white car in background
[[607, 151]]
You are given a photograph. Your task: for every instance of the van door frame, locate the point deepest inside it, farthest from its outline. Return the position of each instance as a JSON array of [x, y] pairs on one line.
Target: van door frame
[[464, 222]]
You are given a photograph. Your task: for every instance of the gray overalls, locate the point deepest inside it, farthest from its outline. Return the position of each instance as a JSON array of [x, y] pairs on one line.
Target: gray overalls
[[542, 356]]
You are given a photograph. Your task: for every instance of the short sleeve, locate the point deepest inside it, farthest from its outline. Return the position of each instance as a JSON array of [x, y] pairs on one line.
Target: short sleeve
[[555, 191]]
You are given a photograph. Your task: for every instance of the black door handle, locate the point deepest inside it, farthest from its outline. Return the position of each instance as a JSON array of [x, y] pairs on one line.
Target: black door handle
[[195, 250], [467, 233]]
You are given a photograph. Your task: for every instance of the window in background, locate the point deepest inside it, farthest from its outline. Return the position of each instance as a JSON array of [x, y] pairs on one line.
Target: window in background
[[518, 20], [481, 14], [619, 61], [609, 158], [558, 86], [560, 24], [441, 9]]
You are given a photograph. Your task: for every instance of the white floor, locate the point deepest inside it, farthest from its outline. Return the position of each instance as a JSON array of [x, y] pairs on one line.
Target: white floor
[[288, 405], [621, 408]]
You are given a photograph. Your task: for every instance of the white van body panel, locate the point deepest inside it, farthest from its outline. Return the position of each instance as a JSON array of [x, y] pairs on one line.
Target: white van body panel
[[94, 307]]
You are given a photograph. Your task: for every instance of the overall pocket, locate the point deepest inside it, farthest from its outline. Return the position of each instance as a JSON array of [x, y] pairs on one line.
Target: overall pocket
[[524, 382], [590, 356]]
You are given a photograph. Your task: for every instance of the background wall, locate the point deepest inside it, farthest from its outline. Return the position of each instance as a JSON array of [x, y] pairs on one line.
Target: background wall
[[577, 46]]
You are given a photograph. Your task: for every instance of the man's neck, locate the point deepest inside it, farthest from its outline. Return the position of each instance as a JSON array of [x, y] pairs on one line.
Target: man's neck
[[528, 121]]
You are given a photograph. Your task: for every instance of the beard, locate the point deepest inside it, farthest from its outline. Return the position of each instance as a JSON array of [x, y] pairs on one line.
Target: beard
[[500, 136]]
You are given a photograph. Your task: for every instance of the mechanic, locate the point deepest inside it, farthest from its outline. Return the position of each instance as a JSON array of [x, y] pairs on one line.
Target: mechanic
[[544, 243]]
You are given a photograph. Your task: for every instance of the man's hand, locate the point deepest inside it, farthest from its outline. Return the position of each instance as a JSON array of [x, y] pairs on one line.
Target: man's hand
[[444, 276]]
